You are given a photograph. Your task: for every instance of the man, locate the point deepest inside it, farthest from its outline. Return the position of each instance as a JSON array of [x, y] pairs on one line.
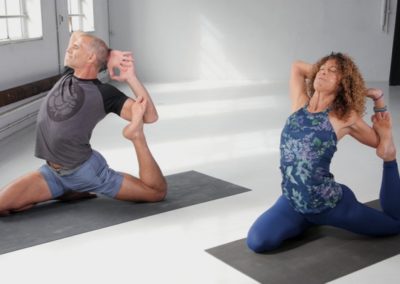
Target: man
[[70, 111]]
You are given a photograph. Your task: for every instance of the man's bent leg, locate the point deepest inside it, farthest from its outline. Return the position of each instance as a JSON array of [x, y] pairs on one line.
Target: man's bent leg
[[24, 192], [151, 185], [134, 189]]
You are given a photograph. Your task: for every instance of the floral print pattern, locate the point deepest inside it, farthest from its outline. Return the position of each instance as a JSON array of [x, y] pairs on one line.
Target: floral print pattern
[[308, 143]]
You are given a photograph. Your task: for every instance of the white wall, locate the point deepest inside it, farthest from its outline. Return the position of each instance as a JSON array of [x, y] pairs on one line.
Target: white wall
[[180, 40], [101, 25]]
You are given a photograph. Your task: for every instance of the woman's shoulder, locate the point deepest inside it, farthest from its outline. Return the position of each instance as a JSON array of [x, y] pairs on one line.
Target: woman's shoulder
[[351, 118], [342, 126]]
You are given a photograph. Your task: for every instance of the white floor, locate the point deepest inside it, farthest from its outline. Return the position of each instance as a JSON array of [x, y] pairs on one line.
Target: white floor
[[228, 131]]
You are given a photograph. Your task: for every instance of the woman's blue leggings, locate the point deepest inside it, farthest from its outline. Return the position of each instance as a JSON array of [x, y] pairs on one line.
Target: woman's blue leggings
[[282, 222]]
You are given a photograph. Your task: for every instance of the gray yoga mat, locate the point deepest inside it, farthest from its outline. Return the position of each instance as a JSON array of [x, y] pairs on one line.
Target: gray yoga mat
[[56, 220], [320, 255]]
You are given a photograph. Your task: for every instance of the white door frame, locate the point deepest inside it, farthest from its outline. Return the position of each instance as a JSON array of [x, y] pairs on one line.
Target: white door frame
[[62, 30]]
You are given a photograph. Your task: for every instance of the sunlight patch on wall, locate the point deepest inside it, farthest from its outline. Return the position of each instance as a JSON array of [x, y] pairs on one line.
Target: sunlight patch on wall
[[214, 62], [206, 108]]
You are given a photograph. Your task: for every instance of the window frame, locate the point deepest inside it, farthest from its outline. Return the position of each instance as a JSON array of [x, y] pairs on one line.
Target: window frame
[[23, 16], [81, 15]]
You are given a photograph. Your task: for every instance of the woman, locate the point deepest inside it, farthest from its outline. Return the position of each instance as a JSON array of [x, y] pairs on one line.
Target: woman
[[310, 194]]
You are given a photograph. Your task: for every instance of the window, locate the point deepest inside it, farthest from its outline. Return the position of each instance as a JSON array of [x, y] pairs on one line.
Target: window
[[20, 19], [80, 15]]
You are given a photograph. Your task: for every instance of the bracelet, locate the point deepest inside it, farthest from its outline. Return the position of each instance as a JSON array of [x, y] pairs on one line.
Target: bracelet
[[380, 109], [378, 98]]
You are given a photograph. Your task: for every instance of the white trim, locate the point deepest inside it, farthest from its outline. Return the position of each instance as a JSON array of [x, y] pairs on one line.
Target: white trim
[[12, 16], [11, 41]]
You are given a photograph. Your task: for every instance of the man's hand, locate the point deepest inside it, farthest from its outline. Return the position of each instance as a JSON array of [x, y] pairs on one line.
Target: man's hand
[[124, 63]]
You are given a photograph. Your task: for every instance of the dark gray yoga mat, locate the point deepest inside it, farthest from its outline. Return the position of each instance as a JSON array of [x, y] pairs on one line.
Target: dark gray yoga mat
[[320, 255], [56, 220]]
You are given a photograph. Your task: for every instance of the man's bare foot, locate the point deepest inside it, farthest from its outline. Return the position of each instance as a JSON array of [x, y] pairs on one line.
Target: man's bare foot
[[74, 195], [382, 123], [135, 128]]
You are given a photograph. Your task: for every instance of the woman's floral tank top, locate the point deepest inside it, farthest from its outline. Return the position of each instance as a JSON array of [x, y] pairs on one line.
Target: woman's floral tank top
[[308, 142]]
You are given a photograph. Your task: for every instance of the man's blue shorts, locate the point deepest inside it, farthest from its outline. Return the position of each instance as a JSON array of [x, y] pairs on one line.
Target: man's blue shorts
[[94, 175]]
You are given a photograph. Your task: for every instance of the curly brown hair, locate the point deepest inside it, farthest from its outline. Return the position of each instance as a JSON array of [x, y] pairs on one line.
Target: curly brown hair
[[351, 94]]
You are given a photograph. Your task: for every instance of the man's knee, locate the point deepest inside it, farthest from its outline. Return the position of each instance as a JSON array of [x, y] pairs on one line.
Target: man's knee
[[160, 192]]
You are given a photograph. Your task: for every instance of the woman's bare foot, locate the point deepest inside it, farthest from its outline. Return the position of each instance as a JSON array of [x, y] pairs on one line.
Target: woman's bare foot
[[382, 123], [374, 93], [135, 128]]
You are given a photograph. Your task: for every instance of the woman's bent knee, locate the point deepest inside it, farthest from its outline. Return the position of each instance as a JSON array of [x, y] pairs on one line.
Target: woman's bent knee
[[261, 242]]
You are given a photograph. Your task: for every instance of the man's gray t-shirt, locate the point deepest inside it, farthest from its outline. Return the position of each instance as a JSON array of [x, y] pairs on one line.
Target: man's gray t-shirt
[[68, 115]]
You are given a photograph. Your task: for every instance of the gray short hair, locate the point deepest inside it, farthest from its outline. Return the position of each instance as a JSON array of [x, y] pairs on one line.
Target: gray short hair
[[100, 48]]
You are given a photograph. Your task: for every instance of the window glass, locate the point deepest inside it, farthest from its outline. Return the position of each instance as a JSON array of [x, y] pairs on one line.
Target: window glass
[[14, 28], [13, 7], [3, 29], [20, 20], [2, 8], [80, 15], [73, 6]]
